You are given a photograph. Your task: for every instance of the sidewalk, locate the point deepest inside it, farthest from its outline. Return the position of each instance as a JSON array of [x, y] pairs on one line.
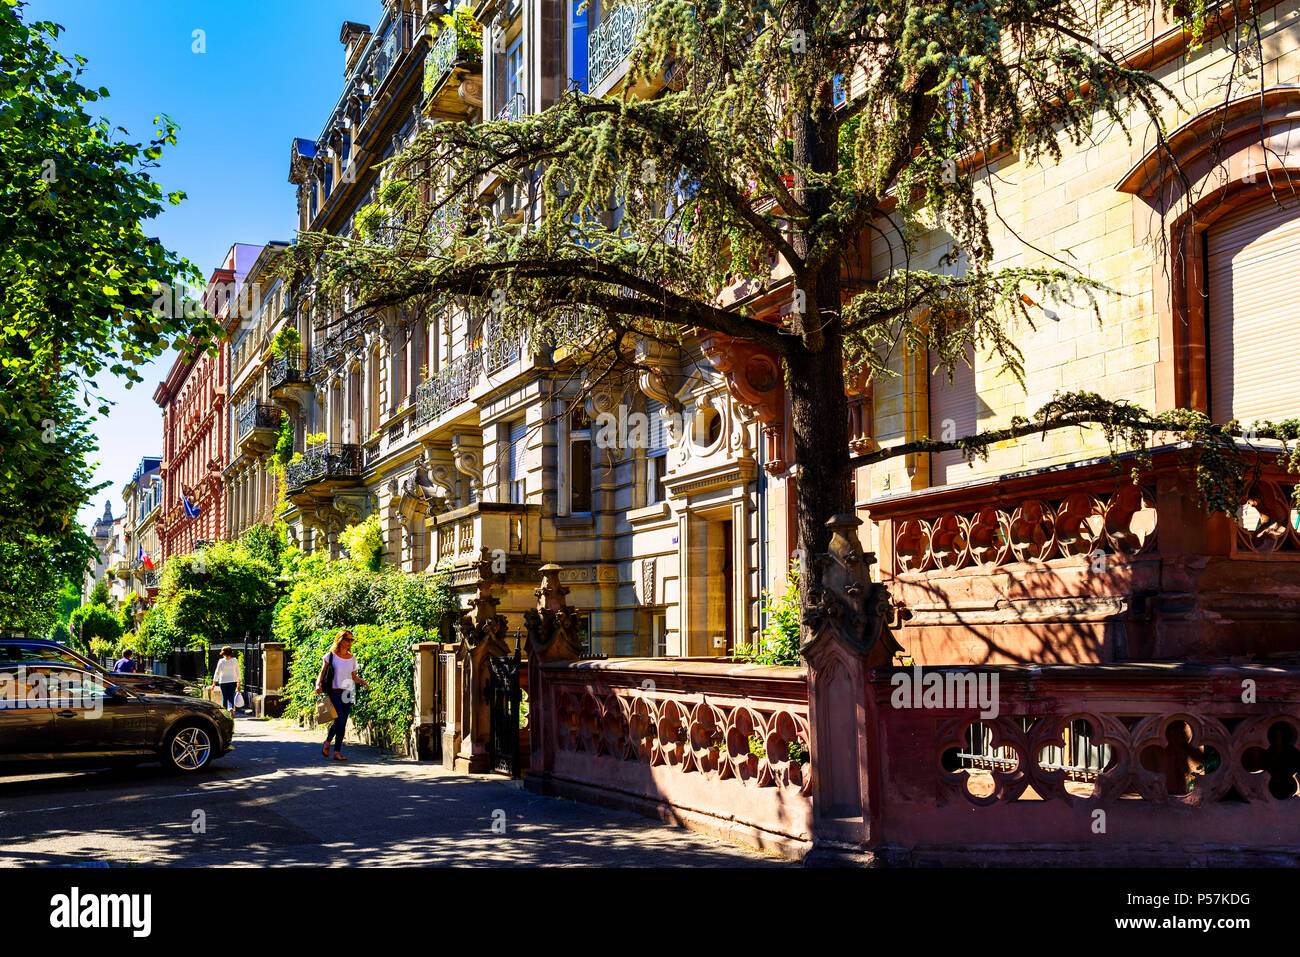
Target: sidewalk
[[275, 801]]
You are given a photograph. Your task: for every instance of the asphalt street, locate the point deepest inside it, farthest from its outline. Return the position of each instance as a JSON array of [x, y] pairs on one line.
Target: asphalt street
[[274, 801]]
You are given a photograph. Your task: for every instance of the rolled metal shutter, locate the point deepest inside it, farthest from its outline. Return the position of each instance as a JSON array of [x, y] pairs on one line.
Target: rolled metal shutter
[[955, 401], [518, 450], [657, 439], [1254, 313]]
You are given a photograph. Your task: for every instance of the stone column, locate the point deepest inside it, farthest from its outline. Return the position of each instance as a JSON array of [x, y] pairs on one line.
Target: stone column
[[424, 727], [270, 703], [482, 634], [552, 629], [844, 636]]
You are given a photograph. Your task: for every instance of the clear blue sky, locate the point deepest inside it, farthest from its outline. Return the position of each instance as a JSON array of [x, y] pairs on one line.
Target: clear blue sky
[[272, 71]]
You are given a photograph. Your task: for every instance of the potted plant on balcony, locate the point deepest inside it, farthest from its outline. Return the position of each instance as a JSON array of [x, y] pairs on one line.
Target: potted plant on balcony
[[287, 342]]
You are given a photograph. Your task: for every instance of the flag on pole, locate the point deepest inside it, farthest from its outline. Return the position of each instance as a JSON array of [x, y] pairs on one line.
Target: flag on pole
[[191, 511], [144, 559]]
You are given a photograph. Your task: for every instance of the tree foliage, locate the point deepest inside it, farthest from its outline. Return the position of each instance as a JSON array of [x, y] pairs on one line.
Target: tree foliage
[[77, 288], [643, 213]]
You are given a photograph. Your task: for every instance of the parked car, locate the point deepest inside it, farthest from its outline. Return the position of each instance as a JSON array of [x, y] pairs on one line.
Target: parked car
[[18, 650], [56, 714]]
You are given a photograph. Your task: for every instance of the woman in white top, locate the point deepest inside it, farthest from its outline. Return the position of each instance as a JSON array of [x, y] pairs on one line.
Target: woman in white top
[[226, 677], [340, 689]]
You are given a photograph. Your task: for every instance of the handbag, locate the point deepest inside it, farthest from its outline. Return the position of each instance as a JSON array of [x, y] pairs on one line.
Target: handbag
[[325, 712]]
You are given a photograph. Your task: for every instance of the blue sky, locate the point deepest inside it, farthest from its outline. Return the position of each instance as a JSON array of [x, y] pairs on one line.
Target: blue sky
[[272, 70]]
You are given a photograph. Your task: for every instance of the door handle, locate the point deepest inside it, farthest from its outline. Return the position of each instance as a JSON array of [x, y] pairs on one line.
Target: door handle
[[66, 713]]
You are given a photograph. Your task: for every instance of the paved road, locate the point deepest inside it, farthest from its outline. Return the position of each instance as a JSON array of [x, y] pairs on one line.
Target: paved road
[[275, 801]]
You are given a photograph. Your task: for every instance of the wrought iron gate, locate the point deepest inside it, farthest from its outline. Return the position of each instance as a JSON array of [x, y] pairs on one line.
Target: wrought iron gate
[[504, 695]]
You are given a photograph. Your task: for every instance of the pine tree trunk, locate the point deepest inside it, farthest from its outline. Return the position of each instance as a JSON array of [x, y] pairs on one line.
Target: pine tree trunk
[[819, 422]]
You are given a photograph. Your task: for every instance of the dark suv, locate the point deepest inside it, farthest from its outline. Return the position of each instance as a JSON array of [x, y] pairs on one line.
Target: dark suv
[[14, 651], [56, 714]]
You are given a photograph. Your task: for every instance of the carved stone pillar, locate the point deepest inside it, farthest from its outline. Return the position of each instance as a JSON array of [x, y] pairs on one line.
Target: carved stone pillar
[[553, 635], [482, 634], [845, 635]]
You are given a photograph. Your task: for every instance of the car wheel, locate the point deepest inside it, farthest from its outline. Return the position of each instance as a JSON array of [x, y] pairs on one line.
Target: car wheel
[[188, 748]]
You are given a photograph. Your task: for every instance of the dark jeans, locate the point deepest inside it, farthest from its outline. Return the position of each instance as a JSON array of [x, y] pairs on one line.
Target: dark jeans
[[228, 689], [343, 708]]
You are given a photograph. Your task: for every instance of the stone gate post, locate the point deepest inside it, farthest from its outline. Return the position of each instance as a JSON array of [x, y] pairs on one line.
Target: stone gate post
[[845, 635], [552, 629]]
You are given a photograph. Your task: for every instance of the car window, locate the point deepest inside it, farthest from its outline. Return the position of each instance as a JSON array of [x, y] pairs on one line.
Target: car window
[[46, 687], [15, 654]]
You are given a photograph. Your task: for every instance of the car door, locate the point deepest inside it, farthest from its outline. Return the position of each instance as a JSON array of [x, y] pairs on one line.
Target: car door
[[89, 721], [26, 716]]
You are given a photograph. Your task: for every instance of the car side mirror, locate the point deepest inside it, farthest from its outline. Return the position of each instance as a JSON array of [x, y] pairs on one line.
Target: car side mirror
[[116, 693]]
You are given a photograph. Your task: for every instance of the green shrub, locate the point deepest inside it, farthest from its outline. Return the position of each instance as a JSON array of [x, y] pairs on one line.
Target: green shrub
[[778, 643], [384, 658], [90, 622], [364, 542]]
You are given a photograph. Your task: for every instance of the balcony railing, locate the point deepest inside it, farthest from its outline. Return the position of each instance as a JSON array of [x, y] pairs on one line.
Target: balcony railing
[[515, 108], [444, 56], [501, 352], [463, 532], [447, 388], [259, 417], [397, 41], [327, 460], [287, 370], [611, 42]]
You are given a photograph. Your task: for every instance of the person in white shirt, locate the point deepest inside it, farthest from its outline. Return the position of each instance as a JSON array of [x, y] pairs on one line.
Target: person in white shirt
[[339, 663], [226, 677]]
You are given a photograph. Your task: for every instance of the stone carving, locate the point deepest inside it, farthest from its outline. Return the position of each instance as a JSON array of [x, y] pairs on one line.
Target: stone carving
[[754, 380], [756, 744], [844, 603], [1078, 524], [552, 627], [483, 627], [467, 452], [648, 581]]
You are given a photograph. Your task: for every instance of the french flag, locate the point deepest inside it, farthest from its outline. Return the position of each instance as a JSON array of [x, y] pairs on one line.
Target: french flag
[[145, 559]]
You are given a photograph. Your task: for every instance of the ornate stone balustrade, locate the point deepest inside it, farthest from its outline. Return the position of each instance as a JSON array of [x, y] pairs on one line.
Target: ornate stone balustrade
[[1077, 563], [1198, 764], [726, 745]]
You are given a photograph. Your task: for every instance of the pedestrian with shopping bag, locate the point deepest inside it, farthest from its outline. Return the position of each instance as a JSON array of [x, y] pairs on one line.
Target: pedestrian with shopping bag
[[226, 677], [337, 681]]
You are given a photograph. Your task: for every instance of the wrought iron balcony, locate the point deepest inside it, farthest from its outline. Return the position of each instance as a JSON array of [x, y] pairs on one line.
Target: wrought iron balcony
[[444, 56], [501, 352], [398, 40], [610, 43], [287, 370], [258, 417], [447, 388], [515, 108], [324, 461]]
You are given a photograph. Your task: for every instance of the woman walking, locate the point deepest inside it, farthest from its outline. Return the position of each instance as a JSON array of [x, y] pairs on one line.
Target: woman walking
[[337, 675], [226, 677]]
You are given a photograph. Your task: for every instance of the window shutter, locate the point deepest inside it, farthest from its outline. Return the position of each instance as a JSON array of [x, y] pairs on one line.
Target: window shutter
[[955, 401], [1253, 308], [657, 439], [518, 449]]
